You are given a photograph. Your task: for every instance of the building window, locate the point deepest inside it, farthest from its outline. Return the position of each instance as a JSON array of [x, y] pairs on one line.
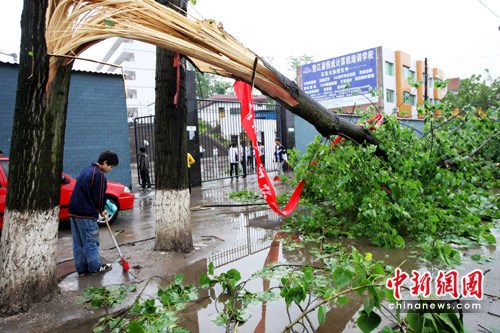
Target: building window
[[129, 75], [409, 98], [413, 100], [234, 110], [389, 68], [131, 93], [406, 72], [389, 96]]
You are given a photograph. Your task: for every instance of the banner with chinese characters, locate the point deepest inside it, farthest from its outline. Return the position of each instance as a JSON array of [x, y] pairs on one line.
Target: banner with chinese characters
[[342, 81]]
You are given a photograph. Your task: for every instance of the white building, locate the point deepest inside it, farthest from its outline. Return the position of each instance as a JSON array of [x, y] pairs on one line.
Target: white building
[[137, 61]]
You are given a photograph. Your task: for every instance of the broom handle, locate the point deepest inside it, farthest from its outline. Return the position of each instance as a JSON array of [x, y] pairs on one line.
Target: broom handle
[[112, 236]]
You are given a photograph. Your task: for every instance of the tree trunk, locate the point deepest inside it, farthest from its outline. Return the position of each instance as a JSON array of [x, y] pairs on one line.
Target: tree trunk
[[29, 238], [173, 220]]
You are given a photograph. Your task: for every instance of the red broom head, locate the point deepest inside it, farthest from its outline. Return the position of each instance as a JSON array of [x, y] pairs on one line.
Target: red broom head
[[125, 265]]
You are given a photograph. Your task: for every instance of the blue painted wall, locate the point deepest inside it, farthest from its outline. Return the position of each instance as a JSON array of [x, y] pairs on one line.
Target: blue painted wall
[[8, 84], [305, 132], [97, 120]]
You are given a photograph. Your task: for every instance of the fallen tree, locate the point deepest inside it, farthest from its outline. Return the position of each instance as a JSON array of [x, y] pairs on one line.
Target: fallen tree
[[74, 26]]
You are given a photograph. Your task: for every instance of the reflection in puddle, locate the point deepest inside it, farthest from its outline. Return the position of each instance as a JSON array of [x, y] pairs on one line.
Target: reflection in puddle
[[256, 248], [145, 204]]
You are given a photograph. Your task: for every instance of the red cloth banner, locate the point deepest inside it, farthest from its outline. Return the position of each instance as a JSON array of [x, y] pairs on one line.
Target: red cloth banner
[[177, 65], [244, 93]]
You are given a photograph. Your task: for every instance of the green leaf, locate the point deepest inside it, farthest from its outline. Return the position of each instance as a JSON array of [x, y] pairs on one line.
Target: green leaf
[[108, 23], [386, 329], [321, 314], [342, 300], [415, 321], [205, 281], [490, 238], [179, 278], [135, 327], [211, 268], [451, 321], [367, 322], [342, 277]]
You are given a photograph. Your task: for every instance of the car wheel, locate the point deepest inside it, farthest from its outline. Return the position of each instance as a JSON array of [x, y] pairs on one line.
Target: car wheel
[[111, 219]]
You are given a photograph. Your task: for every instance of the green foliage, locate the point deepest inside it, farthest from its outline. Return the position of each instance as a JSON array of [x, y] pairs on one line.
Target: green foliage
[[244, 195], [146, 315], [295, 62], [160, 314], [250, 196], [211, 84], [234, 297], [350, 191], [442, 251], [105, 297], [433, 322]]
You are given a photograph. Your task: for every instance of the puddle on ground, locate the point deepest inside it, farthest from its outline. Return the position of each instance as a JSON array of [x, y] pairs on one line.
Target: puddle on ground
[[254, 245], [257, 244]]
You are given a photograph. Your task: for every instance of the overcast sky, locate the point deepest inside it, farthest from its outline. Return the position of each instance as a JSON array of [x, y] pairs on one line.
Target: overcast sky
[[462, 37]]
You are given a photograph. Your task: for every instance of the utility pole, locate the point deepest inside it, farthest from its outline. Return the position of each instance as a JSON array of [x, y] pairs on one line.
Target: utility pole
[[425, 81], [425, 89]]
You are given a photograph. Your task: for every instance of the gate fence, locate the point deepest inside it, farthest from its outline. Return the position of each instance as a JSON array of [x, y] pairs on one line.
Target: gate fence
[[144, 134], [219, 125]]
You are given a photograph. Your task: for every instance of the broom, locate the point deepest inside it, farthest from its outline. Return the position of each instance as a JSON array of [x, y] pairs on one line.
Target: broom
[[124, 262]]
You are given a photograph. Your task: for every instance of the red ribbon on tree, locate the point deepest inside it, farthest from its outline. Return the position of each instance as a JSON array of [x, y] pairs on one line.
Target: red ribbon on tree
[[177, 65], [244, 93]]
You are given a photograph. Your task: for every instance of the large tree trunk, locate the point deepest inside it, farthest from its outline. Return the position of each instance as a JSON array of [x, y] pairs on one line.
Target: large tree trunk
[[29, 238], [173, 220]]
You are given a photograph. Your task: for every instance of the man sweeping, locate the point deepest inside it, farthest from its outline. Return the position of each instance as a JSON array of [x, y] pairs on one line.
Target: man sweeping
[[87, 202]]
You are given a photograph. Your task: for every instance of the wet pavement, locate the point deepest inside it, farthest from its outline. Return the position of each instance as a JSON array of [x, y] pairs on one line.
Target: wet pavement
[[238, 236]]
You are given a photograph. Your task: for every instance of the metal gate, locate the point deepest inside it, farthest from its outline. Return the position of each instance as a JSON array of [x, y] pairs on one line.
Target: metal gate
[[144, 135], [219, 125]]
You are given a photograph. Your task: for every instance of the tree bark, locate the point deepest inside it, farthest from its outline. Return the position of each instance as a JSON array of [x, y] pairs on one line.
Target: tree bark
[[29, 237], [173, 220]]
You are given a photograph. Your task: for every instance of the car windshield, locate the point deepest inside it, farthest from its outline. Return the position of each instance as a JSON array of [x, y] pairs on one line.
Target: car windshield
[[5, 167]]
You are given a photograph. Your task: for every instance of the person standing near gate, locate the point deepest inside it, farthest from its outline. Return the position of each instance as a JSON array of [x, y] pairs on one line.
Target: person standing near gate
[[262, 152], [279, 155], [144, 169], [250, 156], [233, 157]]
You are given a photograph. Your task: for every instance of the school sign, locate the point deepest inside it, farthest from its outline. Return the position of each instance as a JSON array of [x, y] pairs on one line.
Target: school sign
[[342, 81]]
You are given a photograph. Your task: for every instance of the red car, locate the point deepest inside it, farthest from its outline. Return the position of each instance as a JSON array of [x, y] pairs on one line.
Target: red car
[[118, 193]]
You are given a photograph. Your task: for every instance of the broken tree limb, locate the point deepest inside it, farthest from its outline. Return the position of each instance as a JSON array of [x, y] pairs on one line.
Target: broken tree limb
[[75, 25]]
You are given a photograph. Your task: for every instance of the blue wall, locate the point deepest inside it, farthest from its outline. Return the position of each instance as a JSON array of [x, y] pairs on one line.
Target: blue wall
[[8, 84], [97, 120], [305, 132]]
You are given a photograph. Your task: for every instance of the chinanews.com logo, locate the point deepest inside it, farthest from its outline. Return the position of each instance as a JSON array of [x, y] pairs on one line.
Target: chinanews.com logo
[[447, 284]]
